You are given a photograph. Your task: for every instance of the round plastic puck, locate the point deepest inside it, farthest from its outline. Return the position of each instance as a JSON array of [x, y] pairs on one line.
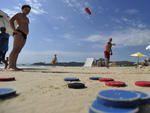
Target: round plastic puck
[[118, 98], [7, 78], [6, 92], [115, 84], [71, 79], [96, 107], [105, 79], [142, 83], [94, 78], [76, 85]]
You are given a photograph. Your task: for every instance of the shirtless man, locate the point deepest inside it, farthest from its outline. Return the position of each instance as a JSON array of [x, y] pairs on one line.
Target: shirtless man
[[108, 51], [20, 33]]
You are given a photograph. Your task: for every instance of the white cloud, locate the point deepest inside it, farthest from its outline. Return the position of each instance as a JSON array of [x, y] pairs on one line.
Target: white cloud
[[68, 36], [95, 38], [77, 5], [141, 26], [130, 22], [98, 46], [62, 18], [36, 6], [9, 12], [132, 37], [127, 37], [100, 10], [47, 40], [116, 20], [126, 20], [136, 23], [131, 11]]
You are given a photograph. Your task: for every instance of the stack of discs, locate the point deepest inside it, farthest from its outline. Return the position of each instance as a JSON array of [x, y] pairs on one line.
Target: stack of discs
[[74, 85], [118, 101]]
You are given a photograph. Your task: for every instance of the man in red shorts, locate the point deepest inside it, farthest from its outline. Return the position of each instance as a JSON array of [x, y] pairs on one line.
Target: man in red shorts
[[108, 51]]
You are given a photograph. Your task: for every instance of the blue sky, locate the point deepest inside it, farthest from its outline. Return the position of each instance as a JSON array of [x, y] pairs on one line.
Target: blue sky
[[62, 27]]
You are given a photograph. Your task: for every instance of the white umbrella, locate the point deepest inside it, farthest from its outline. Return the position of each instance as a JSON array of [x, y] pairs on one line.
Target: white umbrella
[[148, 47], [4, 22]]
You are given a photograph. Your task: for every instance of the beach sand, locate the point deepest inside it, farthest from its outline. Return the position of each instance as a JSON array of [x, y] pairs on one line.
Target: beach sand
[[43, 90]]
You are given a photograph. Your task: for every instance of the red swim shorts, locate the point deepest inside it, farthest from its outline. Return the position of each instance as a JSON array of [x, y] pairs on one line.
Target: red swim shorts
[[107, 55]]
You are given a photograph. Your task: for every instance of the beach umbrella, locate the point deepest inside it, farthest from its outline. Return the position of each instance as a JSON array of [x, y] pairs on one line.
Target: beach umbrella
[[148, 48], [4, 22], [138, 54]]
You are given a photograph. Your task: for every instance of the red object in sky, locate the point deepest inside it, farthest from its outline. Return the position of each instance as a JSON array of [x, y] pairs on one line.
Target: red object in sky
[[88, 11]]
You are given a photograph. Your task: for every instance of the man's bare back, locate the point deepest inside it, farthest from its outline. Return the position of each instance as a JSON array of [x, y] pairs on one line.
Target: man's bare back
[[108, 47], [22, 23]]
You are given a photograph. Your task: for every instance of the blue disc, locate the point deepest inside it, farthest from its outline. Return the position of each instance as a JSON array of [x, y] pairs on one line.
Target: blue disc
[[118, 98], [6, 92], [94, 78], [96, 107], [145, 98], [71, 79]]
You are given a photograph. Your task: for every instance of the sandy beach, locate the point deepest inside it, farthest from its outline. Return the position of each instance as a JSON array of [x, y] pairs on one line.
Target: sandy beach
[[43, 90]]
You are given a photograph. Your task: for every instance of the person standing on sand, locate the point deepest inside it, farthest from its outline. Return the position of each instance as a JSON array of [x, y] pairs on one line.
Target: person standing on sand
[[4, 40], [108, 51], [20, 33]]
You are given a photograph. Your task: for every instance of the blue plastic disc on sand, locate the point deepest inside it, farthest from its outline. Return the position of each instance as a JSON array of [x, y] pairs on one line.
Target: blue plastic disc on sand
[[96, 107], [6, 92], [145, 98], [118, 98], [71, 79], [94, 78]]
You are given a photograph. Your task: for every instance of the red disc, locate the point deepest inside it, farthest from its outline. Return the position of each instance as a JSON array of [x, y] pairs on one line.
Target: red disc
[[142, 83], [105, 79], [115, 84], [7, 78]]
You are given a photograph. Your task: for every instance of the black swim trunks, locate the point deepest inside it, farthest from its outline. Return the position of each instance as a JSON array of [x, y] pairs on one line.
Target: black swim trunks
[[23, 34]]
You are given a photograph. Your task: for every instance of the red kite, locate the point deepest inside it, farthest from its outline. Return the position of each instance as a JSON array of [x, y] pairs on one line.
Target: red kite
[[88, 11]]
